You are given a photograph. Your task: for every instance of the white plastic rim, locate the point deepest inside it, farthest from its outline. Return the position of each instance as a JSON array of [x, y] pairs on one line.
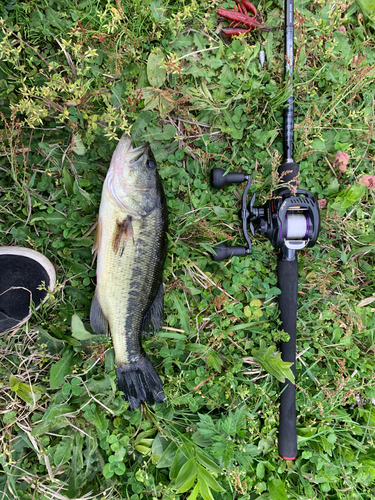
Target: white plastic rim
[[32, 254]]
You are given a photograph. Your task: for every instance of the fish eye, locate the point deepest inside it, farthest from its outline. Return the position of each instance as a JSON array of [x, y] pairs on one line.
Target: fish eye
[[151, 164]]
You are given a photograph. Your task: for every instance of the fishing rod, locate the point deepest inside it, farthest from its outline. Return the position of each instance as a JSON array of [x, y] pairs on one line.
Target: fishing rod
[[291, 221]]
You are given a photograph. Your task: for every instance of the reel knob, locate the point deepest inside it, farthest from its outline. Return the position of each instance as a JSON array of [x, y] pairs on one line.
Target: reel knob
[[219, 180], [224, 251]]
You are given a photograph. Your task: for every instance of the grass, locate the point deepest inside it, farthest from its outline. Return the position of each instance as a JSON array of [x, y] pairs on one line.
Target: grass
[[74, 76]]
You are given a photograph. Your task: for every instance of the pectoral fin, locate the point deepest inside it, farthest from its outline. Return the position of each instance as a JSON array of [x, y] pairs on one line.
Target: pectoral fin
[[123, 232], [154, 317], [98, 321]]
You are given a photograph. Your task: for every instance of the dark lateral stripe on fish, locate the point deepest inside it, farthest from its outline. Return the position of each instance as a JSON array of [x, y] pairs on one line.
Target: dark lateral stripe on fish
[[143, 292]]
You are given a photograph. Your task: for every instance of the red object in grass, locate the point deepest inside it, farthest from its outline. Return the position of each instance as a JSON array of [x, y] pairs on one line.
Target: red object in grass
[[241, 16]]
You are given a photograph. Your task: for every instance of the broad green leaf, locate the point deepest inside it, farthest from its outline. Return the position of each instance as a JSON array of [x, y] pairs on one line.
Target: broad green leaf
[[55, 218], [117, 93], [368, 8], [367, 4], [144, 450], [332, 188], [68, 182], [182, 313], [161, 134], [208, 479], [318, 144], [108, 472], [54, 411], [167, 457], [60, 369], [152, 102], [269, 49], [166, 105], [99, 386], [214, 360], [63, 451], [273, 363], [156, 74], [243, 326], [186, 477], [146, 434], [184, 453], [79, 331], [157, 11], [171, 335], [120, 468], [28, 393], [195, 347], [207, 426], [348, 197], [260, 470], [276, 489], [235, 421], [53, 344], [220, 211], [82, 242], [193, 495], [204, 488], [207, 462], [158, 447], [224, 451], [79, 148]]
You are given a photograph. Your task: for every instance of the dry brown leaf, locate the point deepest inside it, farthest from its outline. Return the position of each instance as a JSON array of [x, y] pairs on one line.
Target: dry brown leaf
[[366, 302]]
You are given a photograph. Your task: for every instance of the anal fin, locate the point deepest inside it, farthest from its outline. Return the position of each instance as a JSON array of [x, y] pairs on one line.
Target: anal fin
[[154, 318], [98, 321]]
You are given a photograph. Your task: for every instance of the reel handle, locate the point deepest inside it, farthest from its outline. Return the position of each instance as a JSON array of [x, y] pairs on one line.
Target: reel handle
[[224, 251], [219, 180]]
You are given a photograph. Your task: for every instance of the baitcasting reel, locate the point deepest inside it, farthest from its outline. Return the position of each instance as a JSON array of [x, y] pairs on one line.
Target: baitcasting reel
[[289, 222]]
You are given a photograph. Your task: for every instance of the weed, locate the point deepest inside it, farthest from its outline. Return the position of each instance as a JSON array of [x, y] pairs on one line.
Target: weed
[[73, 77]]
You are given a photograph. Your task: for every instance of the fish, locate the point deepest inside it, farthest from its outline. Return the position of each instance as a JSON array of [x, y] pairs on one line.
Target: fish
[[131, 247]]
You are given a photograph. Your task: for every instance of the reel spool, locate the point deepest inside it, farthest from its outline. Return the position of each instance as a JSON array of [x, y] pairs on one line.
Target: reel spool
[[289, 222]]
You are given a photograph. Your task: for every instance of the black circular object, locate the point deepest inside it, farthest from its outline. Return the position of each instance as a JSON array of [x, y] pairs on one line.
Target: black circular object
[[23, 280]]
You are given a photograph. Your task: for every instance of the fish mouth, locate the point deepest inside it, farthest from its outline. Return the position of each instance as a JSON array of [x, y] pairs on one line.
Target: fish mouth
[[126, 151]]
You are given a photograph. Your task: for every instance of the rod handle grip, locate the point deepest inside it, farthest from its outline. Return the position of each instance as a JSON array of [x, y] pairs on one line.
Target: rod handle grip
[[287, 271], [224, 251], [219, 180]]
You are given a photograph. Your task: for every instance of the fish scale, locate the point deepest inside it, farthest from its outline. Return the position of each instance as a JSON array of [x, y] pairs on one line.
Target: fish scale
[[131, 248]]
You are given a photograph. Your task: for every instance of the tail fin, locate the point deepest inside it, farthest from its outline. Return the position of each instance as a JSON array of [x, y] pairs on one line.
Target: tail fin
[[140, 383]]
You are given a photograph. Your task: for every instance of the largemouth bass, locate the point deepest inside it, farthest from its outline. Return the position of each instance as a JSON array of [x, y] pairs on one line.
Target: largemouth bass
[[131, 245]]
